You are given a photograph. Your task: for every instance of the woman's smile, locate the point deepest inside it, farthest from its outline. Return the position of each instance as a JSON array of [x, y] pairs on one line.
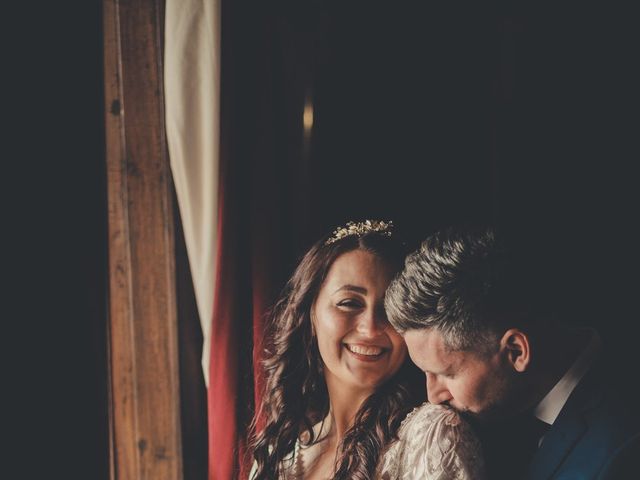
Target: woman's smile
[[367, 353]]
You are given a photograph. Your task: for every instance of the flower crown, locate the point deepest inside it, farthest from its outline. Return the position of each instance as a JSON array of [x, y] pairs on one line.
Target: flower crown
[[360, 228]]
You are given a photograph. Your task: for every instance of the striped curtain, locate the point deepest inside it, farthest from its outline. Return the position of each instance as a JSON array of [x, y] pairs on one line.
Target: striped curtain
[[241, 182]]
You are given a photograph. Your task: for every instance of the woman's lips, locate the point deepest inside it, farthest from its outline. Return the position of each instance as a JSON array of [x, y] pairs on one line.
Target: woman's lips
[[367, 353]]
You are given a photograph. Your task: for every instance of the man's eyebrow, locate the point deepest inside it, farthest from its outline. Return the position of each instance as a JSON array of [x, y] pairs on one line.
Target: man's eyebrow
[[352, 288], [443, 371]]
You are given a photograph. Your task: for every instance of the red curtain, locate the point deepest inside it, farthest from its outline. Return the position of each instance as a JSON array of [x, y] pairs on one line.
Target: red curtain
[[253, 260], [262, 217]]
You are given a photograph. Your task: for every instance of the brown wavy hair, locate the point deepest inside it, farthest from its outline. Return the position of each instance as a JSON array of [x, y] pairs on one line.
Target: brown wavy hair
[[296, 397]]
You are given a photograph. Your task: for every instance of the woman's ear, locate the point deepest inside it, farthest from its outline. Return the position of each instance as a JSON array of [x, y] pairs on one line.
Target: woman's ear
[[515, 347]]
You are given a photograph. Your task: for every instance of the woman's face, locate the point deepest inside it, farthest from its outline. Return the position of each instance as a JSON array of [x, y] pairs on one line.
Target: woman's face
[[357, 345]]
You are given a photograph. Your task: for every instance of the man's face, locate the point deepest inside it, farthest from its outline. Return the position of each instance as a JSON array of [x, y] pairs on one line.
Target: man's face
[[481, 386]]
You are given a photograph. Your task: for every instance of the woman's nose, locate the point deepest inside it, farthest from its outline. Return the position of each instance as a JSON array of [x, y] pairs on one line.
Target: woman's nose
[[372, 322]]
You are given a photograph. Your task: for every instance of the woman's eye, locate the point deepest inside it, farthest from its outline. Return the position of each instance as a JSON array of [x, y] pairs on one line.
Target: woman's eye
[[349, 303]]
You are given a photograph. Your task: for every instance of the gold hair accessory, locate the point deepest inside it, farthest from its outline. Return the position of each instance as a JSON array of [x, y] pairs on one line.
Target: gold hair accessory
[[360, 228]]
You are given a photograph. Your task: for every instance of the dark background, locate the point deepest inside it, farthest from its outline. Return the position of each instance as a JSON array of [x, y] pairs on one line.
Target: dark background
[[54, 229], [524, 116]]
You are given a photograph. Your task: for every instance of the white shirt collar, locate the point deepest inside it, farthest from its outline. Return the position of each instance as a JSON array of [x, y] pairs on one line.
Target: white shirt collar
[[550, 406]]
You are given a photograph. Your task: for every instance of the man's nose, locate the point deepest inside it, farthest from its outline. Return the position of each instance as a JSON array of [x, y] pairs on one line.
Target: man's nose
[[436, 390]]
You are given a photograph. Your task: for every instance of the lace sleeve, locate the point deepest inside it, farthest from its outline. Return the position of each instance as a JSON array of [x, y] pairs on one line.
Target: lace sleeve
[[434, 443]]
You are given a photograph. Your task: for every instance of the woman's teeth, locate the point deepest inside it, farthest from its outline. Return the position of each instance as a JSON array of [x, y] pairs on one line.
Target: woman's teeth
[[365, 350]]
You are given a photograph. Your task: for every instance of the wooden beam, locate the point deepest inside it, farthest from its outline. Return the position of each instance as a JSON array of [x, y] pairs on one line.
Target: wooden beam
[[144, 370]]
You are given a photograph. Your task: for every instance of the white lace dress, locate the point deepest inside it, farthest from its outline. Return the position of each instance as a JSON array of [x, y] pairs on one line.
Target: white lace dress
[[434, 443]]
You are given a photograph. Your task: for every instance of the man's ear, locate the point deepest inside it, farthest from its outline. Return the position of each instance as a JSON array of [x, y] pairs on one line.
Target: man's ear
[[515, 347]]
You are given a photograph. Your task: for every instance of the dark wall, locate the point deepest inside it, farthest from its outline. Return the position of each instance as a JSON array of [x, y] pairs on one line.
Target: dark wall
[[521, 116], [56, 206]]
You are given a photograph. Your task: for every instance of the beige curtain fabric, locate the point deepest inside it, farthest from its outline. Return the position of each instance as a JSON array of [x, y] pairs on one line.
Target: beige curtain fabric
[[192, 87]]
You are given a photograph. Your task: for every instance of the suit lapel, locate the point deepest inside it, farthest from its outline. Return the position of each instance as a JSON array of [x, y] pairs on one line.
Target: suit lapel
[[557, 444], [568, 428]]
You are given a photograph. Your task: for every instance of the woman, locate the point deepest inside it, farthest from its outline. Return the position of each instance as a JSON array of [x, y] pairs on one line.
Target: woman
[[337, 374]]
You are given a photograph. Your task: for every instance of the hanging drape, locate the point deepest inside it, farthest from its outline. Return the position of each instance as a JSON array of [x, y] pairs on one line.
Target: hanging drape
[[192, 104], [235, 136], [261, 220]]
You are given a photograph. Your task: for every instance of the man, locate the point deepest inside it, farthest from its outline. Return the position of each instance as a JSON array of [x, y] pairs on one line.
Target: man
[[480, 323]]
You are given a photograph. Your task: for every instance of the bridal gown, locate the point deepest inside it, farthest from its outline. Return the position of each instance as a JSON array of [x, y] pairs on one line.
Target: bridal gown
[[434, 443]]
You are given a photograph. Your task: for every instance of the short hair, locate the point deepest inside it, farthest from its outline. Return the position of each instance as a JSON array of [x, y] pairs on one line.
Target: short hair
[[468, 285]]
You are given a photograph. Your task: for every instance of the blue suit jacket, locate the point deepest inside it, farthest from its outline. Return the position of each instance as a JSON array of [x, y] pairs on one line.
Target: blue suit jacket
[[596, 434]]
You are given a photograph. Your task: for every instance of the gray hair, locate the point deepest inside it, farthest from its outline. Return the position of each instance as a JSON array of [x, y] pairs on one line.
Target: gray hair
[[449, 284]]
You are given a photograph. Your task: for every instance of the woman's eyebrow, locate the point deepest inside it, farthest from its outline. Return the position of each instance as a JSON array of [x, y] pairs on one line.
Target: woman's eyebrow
[[352, 288]]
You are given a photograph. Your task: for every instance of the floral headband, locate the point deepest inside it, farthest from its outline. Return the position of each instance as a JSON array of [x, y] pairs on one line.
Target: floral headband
[[360, 228]]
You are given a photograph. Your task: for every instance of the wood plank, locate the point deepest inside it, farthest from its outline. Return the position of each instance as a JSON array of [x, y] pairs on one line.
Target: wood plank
[[145, 402]]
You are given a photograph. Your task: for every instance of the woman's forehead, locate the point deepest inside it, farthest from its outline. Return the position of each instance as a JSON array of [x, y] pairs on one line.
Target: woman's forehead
[[358, 268]]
